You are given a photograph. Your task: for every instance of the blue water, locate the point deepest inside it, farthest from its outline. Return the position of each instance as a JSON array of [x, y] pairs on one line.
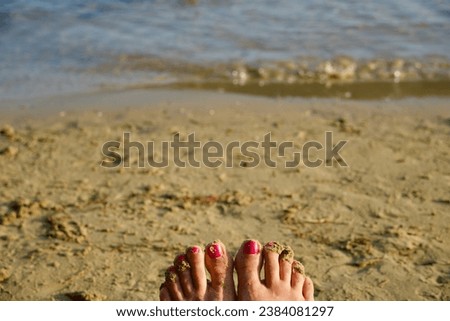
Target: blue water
[[53, 47]]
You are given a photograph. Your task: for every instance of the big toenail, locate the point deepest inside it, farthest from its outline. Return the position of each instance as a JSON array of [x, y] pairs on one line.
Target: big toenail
[[214, 250], [298, 267], [274, 247], [171, 274], [251, 247], [181, 263], [287, 254], [194, 249]]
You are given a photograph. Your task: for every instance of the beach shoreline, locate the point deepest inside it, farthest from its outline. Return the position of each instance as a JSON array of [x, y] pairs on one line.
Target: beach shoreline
[[71, 229]]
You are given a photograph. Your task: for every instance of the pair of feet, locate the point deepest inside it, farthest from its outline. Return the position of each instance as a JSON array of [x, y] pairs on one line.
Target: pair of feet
[[284, 278]]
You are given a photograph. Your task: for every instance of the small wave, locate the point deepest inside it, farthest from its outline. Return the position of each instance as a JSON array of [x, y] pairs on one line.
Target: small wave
[[341, 76], [301, 70]]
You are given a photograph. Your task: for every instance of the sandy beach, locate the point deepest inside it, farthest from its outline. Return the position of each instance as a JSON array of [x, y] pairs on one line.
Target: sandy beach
[[71, 229]]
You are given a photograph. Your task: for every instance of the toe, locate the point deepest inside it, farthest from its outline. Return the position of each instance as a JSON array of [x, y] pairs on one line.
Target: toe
[[196, 259], [184, 273], [173, 285], [297, 277], [308, 290], [249, 262], [164, 293], [286, 259], [220, 266], [272, 251]]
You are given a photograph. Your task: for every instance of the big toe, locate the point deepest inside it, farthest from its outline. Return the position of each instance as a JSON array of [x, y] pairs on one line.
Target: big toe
[[248, 265], [219, 264]]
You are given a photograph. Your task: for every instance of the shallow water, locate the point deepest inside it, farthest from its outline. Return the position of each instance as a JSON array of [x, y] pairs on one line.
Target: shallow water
[[67, 46]]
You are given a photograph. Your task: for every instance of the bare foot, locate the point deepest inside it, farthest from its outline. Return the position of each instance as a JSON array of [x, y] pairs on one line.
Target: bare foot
[[186, 280], [284, 278]]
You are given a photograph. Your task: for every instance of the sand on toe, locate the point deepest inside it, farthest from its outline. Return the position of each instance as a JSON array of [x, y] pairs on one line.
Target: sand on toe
[[375, 230]]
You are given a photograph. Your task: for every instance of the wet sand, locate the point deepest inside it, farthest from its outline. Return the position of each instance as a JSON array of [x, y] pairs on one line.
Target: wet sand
[[375, 230]]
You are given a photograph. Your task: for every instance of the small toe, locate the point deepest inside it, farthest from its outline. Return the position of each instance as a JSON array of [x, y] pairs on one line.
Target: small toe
[[272, 251], [297, 277], [184, 274], [286, 259], [164, 293], [173, 284], [308, 289]]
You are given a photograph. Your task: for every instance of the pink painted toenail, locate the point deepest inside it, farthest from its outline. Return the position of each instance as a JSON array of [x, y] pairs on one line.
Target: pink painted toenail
[[274, 247], [251, 247], [171, 274], [287, 254], [194, 250], [181, 263], [180, 258], [298, 267], [214, 250]]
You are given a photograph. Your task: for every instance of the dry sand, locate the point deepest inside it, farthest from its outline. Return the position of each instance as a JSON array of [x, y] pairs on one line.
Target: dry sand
[[70, 229]]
